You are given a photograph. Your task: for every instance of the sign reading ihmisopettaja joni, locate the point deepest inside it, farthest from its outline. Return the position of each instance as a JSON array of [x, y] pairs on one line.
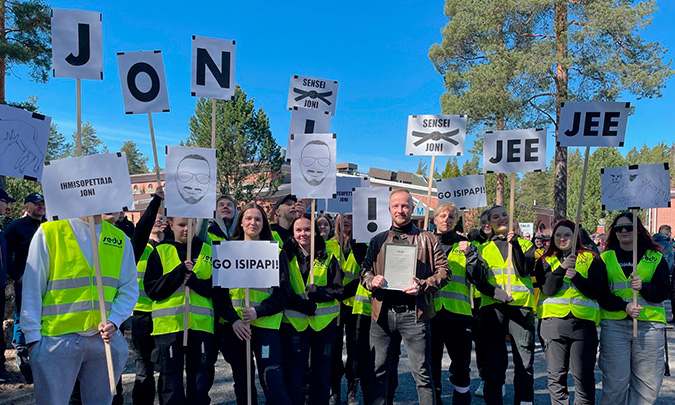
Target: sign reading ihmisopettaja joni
[[87, 185], [440, 135], [245, 264], [312, 93]]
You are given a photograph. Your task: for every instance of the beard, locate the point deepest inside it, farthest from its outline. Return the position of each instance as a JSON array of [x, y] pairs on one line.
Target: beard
[[313, 181], [189, 198]]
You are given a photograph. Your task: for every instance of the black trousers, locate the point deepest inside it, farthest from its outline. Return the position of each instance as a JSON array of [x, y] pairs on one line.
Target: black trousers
[[266, 346], [308, 385], [455, 335], [346, 326], [195, 359], [3, 345], [499, 320], [142, 345], [571, 345], [476, 336]]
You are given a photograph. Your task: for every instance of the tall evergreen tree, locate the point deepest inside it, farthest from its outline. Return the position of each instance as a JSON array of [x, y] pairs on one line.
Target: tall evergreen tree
[[91, 143], [137, 163]]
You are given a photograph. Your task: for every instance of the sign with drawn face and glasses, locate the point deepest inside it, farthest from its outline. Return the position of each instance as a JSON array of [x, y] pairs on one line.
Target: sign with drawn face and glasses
[[313, 167], [190, 182]]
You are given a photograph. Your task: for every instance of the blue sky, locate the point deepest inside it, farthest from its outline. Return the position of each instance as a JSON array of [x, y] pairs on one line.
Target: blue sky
[[376, 50]]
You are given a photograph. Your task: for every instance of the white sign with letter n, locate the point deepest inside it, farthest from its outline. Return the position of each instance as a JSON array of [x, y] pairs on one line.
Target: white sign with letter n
[[465, 192], [593, 123], [440, 135], [514, 151], [87, 185], [216, 56], [77, 44], [143, 82], [246, 264], [635, 187]]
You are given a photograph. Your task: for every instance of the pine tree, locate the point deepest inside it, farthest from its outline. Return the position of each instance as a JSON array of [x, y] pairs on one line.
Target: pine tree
[[137, 163]]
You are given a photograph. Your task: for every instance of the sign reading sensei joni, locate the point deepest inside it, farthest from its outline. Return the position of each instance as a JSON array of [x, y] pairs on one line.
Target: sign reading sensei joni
[[86, 186], [442, 135]]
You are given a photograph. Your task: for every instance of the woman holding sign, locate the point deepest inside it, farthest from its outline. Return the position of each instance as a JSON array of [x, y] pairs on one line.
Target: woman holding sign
[[632, 368], [570, 284], [505, 313], [309, 324], [259, 321]]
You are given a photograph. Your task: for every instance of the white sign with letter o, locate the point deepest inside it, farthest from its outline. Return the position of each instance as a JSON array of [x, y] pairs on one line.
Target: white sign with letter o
[[143, 82]]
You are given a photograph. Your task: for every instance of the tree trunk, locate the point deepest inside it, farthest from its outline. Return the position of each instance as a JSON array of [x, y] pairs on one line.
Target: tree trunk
[[3, 68], [499, 189], [560, 185]]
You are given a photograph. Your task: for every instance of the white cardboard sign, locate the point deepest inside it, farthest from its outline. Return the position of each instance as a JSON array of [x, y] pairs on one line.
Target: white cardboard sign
[[305, 121], [526, 227], [593, 123], [23, 142], [77, 44], [245, 264], [465, 192], [313, 169], [87, 185], [312, 93], [143, 82], [519, 150], [370, 212], [342, 203], [440, 135], [212, 68], [190, 182], [635, 187]]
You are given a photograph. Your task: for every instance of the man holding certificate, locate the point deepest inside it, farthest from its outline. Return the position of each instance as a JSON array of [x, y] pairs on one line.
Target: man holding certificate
[[403, 267]]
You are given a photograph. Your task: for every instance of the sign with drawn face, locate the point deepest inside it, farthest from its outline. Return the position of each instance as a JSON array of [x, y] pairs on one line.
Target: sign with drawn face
[[519, 150], [87, 185], [342, 203], [23, 142], [212, 68], [465, 192], [143, 82], [313, 94], [190, 182], [246, 264], [635, 187], [441, 135], [77, 44], [371, 212], [593, 123], [313, 167]]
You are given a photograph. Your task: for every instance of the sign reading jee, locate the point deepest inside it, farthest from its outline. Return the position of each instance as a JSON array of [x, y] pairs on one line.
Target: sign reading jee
[[441, 135], [593, 123], [519, 150]]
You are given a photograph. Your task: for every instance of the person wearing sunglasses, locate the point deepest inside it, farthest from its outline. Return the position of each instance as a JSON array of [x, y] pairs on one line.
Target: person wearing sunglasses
[[632, 368], [569, 313]]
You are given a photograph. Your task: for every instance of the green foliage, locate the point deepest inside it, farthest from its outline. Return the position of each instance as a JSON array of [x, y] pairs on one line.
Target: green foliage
[[137, 163], [249, 159], [57, 147], [451, 169], [91, 144], [18, 189], [422, 168]]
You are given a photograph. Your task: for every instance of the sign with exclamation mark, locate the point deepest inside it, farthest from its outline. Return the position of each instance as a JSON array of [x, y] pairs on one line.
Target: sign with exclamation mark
[[305, 121], [370, 207]]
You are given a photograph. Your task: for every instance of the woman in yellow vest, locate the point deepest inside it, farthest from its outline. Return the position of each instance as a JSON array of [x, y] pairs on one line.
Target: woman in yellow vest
[[569, 313], [632, 368], [309, 323], [168, 272], [352, 256], [260, 322], [503, 314]]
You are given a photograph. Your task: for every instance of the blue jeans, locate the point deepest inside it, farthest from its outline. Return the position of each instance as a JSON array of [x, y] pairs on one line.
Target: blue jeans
[[18, 339], [385, 339]]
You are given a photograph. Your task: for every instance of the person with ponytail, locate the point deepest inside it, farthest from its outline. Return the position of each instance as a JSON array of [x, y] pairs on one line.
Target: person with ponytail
[[569, 313], [632, 367]]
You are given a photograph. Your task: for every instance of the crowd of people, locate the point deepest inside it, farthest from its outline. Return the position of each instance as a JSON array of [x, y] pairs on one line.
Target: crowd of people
[[481, 289]]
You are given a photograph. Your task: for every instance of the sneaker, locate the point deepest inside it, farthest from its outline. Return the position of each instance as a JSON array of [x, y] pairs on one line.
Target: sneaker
[[351, 393], [335, 399], [503, 391], [479, 390]]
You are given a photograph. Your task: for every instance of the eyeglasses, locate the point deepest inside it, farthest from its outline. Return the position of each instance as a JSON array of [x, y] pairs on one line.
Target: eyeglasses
[[624, 228], [184, 176], [308, 161]]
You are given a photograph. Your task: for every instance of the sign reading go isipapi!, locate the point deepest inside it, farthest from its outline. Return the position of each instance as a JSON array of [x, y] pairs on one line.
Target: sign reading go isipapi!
[[465, 192], [87, 185], [518, 150], [593, 123], [246, 264], [313, 94], [441, 135]]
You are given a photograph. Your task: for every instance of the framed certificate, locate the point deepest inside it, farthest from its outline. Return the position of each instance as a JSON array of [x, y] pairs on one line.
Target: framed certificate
[[400, 263]]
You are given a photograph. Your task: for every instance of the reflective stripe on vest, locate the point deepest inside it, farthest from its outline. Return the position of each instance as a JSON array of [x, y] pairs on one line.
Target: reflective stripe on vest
[[70, 303], [350, 270], [620, 286], [325, 311], [168, 314], [521, 287], [569, 299], [362, 305], [144, 303], [454, 296], [256, 297]]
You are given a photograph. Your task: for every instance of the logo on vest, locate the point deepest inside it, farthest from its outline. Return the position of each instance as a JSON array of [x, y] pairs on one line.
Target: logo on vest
[[114, 242]]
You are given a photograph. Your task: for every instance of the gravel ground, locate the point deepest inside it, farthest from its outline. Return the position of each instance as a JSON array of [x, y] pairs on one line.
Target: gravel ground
[[222, 392]]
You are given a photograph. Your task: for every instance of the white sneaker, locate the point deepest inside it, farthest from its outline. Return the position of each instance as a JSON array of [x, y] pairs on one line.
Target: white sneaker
[[479, 390], [503, 391]]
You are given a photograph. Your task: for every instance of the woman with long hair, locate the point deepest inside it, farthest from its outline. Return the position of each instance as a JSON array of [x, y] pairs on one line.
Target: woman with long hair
[[569, 313], [632, 367], [259, 322], [309, 322]]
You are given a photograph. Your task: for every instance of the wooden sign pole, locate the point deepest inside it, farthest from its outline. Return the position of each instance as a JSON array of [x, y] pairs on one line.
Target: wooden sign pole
[[431, 182], [463, 219], [581, 200], [342, 237], [213, 122], [635, 259], [509, 268], [154, 153], [78, 144], [249, 383], [101, 299], [311, 246], [188, 256]]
